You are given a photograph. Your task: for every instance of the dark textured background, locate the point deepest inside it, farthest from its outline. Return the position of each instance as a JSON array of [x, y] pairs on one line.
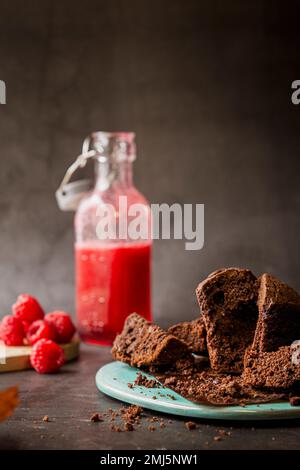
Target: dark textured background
[[206, 87]]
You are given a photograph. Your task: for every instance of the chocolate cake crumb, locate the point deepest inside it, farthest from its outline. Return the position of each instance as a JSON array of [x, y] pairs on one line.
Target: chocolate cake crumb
[[132, 414], [154, 397], [190, 425], [209, 386], [295, 401], [126, 418], [130, 385], [128, 427], [223, 432], [115, 428], [170, 381], [46, 419], [113, 414], [170, 396], [96, 418], [153, 419], [143, 381]]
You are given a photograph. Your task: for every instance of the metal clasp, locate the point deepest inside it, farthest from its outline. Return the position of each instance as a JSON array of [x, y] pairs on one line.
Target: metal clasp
[[68, 195]]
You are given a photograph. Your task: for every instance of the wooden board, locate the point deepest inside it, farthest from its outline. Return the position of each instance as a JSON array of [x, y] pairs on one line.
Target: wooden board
[[14, 358]]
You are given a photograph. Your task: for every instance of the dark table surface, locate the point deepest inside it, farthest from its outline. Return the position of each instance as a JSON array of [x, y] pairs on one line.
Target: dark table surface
[[70, 397]]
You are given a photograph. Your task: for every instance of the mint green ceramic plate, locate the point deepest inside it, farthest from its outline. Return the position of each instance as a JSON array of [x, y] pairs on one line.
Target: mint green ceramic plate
[[113, 380]]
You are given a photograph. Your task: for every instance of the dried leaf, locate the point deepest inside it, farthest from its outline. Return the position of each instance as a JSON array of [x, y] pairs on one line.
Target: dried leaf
[[9, 399]]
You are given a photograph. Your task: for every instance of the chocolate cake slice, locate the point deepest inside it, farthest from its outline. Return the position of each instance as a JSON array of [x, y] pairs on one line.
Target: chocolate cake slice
[[142, 344], [279, 315], [192, 333], [270, 362], [227, 299]]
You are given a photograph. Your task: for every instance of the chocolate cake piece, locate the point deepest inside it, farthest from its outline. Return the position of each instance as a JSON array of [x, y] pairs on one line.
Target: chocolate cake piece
[[192, 333], [279, 315], [275, 370], [273, 361], [142, 344], [227, 299]]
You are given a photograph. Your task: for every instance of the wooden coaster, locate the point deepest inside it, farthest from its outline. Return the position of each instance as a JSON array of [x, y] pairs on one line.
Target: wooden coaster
[[14, 358]]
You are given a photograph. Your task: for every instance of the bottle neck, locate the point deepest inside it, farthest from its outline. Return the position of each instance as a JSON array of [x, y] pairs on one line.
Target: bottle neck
[[107, 174], [125, 174]]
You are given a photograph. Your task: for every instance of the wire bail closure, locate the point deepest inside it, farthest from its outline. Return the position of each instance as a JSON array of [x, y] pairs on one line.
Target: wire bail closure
[[120, 146], [68, 195]]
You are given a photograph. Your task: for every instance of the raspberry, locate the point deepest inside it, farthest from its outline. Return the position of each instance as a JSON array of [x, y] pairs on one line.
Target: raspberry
[[46, 356], [26, 326], [11, 331], [27, 309], [63, 325], [40, 329]]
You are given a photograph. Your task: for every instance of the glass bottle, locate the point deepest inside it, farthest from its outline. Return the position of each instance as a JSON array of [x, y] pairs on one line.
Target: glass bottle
[[112, 251]]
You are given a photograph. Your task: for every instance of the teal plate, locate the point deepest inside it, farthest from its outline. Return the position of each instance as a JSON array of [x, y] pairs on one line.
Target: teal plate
[[113, 379]]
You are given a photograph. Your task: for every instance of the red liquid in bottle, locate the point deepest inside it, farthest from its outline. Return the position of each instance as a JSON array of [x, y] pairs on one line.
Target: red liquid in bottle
[[112, 281]]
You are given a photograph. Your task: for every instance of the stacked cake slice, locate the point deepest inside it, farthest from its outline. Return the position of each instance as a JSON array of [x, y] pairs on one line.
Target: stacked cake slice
[[249, 328], [227, 299], [253, 327], [272, 361]]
